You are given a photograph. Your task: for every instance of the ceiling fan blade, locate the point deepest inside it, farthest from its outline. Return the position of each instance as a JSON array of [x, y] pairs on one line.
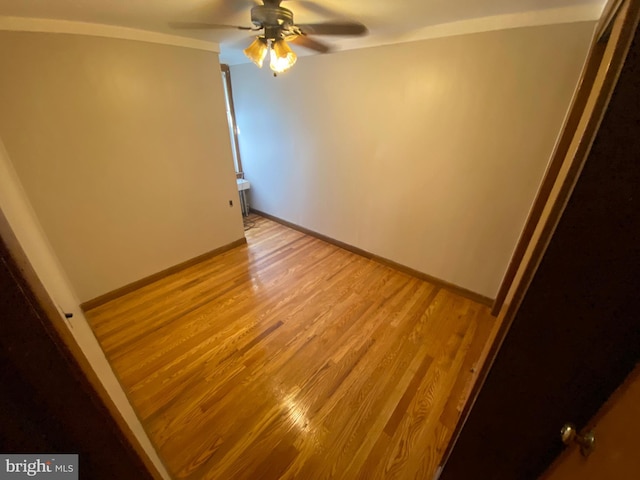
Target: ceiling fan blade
[[310, 43], [322, 11], [334, 28], [205, 26]]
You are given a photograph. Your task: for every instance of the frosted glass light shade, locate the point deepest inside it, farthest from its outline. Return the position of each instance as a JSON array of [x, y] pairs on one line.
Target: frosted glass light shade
[[282, 57], [257, 51]]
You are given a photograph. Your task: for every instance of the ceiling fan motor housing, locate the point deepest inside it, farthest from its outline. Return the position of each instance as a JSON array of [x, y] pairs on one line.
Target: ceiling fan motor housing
[[275, 20]]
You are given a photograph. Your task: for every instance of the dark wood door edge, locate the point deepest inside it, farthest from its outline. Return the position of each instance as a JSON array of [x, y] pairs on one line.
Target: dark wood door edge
[[576, 109], [53, 323], [630, 16], [603, 29]]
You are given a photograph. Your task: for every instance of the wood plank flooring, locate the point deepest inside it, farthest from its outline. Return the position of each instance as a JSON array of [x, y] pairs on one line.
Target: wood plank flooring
[[290, 358]]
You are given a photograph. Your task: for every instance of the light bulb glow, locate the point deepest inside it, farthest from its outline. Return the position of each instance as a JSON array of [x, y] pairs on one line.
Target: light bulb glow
[[282, 57]]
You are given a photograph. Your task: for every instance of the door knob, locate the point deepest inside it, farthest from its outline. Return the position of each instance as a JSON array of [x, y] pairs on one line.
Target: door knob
[[587, 441]]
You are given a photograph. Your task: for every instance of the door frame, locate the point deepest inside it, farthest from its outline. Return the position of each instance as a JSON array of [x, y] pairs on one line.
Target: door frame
[[54, 324], [575, 113], [617, 27]]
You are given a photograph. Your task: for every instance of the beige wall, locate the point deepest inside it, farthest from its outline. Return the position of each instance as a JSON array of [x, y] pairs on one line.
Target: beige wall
[[122, 148], [16, 208], [426, 153]]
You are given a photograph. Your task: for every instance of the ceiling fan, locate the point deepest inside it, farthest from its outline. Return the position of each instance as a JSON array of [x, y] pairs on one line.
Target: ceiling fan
[[277, 27]]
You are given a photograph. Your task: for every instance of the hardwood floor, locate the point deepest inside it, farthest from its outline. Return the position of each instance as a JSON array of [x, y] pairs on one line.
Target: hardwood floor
[[292, 358]]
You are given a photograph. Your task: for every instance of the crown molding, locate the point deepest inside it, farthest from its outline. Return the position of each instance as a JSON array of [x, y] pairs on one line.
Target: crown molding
[[47, 25], [534, 18]]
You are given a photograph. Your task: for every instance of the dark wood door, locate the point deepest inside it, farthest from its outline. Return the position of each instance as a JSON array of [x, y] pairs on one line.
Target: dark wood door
[[46, 404], [616, 428], [576, 334]]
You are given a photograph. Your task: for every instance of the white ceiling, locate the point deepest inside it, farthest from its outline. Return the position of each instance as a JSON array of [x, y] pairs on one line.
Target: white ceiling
[[389, 21]]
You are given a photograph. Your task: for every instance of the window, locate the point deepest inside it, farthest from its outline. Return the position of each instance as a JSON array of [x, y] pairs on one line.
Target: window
[[231, 119]]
